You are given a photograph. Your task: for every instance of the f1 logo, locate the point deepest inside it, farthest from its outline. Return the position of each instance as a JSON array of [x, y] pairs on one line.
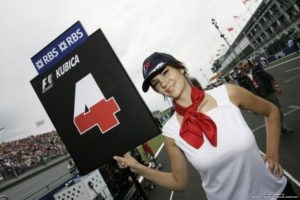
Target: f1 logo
[[92, 109], [47, 83]]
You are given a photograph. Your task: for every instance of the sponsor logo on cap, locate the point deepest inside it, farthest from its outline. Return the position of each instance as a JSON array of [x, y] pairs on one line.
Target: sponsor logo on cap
[[158, 66]]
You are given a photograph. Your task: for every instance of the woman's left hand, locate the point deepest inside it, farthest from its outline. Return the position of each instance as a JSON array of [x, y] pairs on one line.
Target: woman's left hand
[[274, 167]]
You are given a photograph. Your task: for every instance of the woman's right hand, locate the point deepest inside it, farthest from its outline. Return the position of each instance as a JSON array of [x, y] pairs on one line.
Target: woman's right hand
[[274, 167], [127, 161]]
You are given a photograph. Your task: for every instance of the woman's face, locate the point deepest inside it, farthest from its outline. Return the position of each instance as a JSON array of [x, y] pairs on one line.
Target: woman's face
[[170, 82]]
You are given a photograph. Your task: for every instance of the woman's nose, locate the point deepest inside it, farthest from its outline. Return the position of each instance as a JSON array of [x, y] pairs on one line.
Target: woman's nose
[[163, 83]]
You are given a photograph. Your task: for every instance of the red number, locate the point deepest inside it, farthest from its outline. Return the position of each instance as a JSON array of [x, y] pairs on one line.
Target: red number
[[92, 109]]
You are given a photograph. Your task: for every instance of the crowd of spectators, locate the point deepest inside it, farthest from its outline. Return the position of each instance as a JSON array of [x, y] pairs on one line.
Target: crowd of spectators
[[16, 157]]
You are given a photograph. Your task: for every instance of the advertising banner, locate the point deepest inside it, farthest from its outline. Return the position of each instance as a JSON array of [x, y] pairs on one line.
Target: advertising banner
[[59, 48]]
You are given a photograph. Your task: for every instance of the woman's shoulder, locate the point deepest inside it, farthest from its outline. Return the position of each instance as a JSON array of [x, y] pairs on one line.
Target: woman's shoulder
[[219, 93]]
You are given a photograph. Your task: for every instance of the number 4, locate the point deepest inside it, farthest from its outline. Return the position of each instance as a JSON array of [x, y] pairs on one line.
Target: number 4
[[91, 108]]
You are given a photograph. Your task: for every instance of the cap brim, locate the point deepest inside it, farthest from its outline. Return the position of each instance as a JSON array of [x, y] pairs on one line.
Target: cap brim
[[146, 85]]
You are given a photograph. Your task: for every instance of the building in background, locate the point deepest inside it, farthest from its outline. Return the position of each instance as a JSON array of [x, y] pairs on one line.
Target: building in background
[[266, 33]]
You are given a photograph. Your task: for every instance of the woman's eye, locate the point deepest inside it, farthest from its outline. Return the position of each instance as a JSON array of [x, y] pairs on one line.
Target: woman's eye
[[154, 84], [165, 72]]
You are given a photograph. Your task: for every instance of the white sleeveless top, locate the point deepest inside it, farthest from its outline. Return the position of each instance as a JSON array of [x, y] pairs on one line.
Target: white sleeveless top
[[234, 170]]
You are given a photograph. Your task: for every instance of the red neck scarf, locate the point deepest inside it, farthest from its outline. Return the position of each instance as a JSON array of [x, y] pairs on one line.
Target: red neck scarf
[[195, 123]]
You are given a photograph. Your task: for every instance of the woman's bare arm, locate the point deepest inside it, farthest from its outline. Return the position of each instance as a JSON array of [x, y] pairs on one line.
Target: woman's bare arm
[[174, 180]]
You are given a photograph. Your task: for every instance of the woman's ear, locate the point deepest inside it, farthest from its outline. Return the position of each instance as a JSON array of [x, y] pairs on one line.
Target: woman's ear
[[182, 71]]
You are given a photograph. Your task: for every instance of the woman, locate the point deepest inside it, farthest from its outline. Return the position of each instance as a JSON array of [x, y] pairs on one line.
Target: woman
[[209, 131]]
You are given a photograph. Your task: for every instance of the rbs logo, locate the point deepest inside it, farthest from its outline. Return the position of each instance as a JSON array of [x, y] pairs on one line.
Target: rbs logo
[[61, 47], [92, 109]]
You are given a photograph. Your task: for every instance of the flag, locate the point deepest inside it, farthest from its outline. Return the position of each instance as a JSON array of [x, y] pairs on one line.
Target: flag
[[229, 29], [245, 1], [39, 123]]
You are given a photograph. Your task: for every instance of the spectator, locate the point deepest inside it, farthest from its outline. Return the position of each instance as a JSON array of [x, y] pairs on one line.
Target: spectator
[[257, 61], [292, 44], [263, 84], [21, 155]]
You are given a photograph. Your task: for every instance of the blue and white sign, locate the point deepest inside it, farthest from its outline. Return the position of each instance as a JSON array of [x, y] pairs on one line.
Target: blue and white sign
[[59, 48]]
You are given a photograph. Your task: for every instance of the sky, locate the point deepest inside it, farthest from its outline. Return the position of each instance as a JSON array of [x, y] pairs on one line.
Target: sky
[[134, 29]]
